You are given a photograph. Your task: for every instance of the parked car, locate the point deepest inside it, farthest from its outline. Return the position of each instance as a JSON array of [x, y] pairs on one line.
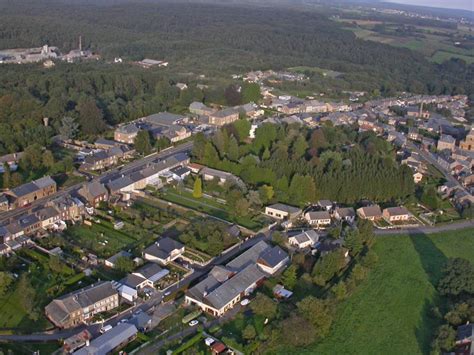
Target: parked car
[[244, 302], [193, 323], [105, 329]]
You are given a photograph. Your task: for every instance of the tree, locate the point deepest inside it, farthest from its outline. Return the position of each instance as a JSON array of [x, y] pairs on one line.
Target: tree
[[142, 142], [299, 147], [6, 176], [296, 331], [250, 92], [249, 332], [197, 190], [16, 180], [353, 242], [430, 198], [242, 128], [445, 339], [242, 207], [233, 149], [55, 265], [317, 312], [5, 281], [124, 264], [91, 117], [359, 273], [266, 193], [32, 158], [27, 294], [48, 159], [264, 306], [233, 95], [211, 157], [458, 278], [69, 128], [340, 291], [326, 267], [289, 277]]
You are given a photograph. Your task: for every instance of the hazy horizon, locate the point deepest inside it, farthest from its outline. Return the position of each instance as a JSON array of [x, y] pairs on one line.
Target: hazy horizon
[[450, 4]]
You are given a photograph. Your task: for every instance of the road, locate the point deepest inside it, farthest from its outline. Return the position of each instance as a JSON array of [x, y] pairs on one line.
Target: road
[[428, 157], [429, 229], [130, 167], [145, 306]]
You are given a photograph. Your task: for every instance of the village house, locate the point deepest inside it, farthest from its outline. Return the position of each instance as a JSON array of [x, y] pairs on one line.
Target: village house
[[27, 193], [446, 142], [220, 176], [198, 108], [306, 239], [163, 251], [111, 341], [94, 193], [465, 339], [149, 63], [416, 112], [80, 306], [371, 213], [468, 143], [346, 214], [393, 214], [126, 133], [223, 117], [146, 276], [111, 262], [282, 211], [319, 219], [70, 208], [10, 159], [48, 216], [225, 286]]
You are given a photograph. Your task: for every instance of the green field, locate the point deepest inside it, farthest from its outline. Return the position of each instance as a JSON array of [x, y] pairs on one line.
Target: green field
[[391, 311], [441, 56]]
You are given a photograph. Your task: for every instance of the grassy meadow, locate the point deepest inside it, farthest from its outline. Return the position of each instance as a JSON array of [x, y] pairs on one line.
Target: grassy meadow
[[391, 311]]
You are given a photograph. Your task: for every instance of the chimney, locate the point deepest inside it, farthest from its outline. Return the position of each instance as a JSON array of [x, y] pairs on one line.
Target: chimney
[[80, 43], [421, 110]]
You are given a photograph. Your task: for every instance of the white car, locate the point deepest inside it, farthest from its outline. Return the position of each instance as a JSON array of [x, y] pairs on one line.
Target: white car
[[244, 302], [167, 293], [193, 323]]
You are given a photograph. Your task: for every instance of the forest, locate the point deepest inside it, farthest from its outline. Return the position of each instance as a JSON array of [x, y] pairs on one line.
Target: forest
[[300, 166], [196, 38]]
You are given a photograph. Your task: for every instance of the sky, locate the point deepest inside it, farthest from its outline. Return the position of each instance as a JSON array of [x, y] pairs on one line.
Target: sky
[[450, 4]]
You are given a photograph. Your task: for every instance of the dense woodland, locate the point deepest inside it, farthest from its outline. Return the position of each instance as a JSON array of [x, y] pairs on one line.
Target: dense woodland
[[216, 40], [302, 166]]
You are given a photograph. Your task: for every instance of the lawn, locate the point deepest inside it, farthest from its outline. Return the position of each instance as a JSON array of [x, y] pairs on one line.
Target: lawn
[[211, 207], [100, 238], [391, 311]]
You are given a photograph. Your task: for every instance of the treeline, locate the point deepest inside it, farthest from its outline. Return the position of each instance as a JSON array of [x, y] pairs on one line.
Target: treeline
[[215, 38], [93, 95], [456, 287], [302, 166]]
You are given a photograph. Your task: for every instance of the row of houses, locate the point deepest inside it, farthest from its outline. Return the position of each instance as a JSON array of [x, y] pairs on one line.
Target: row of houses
[[16, 232], [327, 210]]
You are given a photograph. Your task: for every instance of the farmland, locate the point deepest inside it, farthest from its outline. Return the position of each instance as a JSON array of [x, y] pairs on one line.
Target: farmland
[[392, 309]]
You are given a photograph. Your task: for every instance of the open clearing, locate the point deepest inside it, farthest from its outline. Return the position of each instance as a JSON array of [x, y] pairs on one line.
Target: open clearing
[[392, 309]]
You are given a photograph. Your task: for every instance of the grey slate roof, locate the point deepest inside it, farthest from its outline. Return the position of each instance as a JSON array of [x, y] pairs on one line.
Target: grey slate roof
[[272, 257], [61, 307], [230, 289], [164, 119], [285, 208], [318, 215], [248, 257], [109, 340], [132, 280], [163, 247]]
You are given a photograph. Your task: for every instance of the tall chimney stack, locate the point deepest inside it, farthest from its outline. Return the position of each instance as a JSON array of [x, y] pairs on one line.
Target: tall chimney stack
[[80, 43]]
